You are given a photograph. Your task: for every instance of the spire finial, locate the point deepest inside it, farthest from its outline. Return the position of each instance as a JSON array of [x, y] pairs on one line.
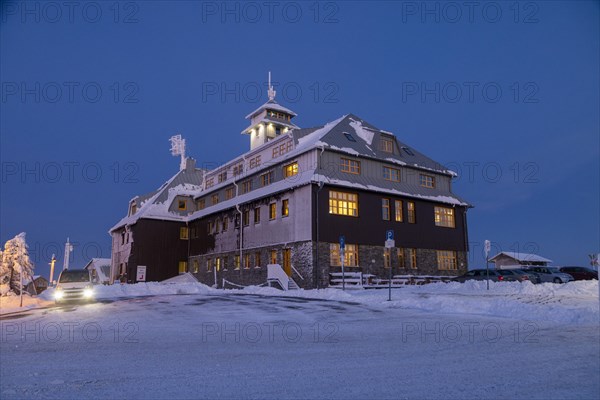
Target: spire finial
[[271, 92]]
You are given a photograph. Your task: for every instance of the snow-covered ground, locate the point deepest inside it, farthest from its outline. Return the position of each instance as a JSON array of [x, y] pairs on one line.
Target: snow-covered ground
[[186, 340]]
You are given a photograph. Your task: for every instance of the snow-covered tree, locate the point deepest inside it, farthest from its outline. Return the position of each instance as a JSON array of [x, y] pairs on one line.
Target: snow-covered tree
[[15, 260]]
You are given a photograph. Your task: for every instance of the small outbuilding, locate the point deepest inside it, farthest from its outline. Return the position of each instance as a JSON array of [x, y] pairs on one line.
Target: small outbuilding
[[100, 270], [37, 285], [509, 259]]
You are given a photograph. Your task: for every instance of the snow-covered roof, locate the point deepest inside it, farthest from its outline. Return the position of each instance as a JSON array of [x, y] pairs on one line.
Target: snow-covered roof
[[348, 134], [271, 105], [97, 262], [186, 182], [521, 256]]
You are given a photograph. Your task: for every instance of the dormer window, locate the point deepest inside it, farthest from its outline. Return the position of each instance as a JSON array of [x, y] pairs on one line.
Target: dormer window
[[386, 145], [427, 181], [133, 208], [182, 205]]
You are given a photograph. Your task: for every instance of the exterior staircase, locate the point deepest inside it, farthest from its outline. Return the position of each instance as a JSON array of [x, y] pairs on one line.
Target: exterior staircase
[[276, 274]]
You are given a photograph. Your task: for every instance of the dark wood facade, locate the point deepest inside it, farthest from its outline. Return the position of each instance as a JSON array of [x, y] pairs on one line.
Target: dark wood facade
[[157, 245], [369, 227]]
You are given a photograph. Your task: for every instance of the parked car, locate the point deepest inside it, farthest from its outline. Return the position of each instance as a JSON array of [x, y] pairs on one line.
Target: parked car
[[580, 273], [480, 275], [550, 274], [74, 285], [519, 275]]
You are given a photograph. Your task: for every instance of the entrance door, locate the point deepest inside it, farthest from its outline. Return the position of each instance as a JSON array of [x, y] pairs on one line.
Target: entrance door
[[287, 261]]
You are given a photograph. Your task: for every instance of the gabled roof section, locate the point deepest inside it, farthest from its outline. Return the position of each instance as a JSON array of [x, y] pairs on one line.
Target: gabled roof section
[[521, 257], [185, 182], [355, 136], [271, 105]]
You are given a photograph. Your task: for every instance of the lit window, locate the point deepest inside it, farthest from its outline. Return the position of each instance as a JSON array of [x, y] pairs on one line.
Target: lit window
[[391, 174], [210, 182], [401, 258], [285, 208], [342, 203], [387, 258], [183, 267], [257, 215], [350, 166], [181, 205], [387, 145], [208, 264], [398, 210], [229, 193], [257, 259], [246, 217], [350, 255], [290, 170], [446, 260], [385, 209], [184, 233], [201, 204], [427, 181], [246, 261], [215, 199], [236, 262], [218, 264], [272, 211], [273, 257], [444, 217], [412, 217], [195, 266], [266, 179]]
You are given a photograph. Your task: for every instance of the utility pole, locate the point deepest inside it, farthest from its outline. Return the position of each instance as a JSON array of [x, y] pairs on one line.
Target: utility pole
[[52, 262], [487, 245], [68, 250]]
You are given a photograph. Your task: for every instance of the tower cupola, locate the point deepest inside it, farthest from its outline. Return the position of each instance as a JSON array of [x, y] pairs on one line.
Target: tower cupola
[[269, 120]]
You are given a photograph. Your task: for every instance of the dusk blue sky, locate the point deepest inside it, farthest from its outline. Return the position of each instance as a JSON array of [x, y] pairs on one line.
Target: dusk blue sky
[[527, 156]]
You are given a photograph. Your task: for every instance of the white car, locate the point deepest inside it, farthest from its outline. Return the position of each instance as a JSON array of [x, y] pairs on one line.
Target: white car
[[74, 285], [550, 274]]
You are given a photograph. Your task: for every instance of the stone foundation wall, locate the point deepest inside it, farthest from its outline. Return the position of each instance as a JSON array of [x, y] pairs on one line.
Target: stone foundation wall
[[301, 257]]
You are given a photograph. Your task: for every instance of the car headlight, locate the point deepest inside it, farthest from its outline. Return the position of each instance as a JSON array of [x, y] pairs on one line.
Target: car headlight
[[58, 294], [88, 293]]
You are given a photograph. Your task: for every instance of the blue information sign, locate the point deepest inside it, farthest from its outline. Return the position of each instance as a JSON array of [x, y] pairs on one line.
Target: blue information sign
[[342, 242], [389, 235]]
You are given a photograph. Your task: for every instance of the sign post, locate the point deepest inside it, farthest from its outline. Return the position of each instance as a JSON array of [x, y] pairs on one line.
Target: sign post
[[389, 245], [141, 273], [487, 245], [342, 250]]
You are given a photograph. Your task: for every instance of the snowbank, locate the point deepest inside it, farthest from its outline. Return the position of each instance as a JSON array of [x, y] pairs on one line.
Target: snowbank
[[570, 303], [10, 304]]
